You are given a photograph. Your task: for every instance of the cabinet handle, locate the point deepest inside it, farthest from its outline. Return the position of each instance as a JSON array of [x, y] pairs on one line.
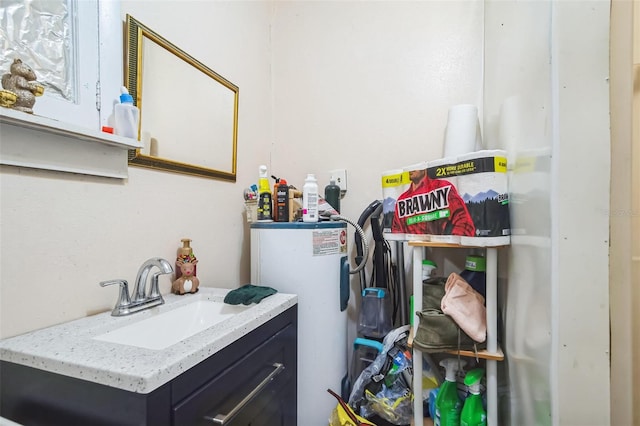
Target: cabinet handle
[[223, 419]]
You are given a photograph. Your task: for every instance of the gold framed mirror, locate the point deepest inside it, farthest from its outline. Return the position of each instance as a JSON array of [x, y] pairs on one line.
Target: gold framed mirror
[[188, 112]]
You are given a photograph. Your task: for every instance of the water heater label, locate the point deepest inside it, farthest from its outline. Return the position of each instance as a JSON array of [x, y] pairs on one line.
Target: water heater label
[[329, 241]]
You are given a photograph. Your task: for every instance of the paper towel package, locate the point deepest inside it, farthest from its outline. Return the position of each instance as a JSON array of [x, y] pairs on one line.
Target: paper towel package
[[462, 199]]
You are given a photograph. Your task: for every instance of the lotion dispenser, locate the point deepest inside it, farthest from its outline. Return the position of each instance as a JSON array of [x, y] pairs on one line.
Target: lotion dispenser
[[184, 253]]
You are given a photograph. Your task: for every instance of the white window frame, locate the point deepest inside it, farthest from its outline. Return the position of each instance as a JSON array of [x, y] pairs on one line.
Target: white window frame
[[99, 67], [62, 142]]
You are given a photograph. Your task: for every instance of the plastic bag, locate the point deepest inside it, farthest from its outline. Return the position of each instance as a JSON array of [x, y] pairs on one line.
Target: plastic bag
[[343, 415], [384, 387]]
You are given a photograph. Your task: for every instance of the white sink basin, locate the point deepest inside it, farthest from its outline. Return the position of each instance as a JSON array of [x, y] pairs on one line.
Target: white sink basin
[[164, 329]]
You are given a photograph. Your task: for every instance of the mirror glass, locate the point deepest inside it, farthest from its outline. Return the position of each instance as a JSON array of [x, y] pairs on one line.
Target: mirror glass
[[188, 112]]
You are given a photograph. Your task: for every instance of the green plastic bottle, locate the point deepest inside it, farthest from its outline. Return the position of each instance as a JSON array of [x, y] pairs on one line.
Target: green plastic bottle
[[448, 403], [473, 413]]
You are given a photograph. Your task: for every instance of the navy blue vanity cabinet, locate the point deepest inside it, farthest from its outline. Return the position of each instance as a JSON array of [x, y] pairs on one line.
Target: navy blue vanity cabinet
[[251, 382], [267, 373]]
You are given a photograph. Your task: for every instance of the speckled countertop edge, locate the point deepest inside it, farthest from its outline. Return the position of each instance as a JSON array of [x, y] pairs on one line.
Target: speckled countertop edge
[[70, 349]]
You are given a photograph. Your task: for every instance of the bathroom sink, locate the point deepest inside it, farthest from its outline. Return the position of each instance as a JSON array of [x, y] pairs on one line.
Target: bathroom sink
[[163, 329]]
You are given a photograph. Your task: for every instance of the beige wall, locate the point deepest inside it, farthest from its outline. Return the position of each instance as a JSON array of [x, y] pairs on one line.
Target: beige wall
[[625, 213], [70, 231], [363, 86], [635, 226]]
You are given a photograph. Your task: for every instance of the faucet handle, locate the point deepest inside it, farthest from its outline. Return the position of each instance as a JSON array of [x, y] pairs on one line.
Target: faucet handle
[[124, 299], [154, 289]]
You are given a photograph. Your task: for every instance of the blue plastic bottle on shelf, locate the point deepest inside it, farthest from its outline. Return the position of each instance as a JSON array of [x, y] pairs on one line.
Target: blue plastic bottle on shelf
[[475, 273]]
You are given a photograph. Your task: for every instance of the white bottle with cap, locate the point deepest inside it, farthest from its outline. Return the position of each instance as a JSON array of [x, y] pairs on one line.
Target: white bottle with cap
[[126, 116], [310, 199]]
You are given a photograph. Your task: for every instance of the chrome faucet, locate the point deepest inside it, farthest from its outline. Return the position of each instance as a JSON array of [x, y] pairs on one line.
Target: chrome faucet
[[139, 299]]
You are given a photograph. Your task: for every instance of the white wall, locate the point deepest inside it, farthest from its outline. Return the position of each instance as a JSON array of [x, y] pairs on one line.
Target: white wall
[[517, 108], [580, 224], [547, 69]]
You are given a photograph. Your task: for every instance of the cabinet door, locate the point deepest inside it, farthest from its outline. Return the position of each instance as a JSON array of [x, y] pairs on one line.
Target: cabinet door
[[262, 383]]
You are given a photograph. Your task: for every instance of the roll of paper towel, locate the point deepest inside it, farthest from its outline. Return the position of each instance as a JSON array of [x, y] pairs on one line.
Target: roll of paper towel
[[463, 134]]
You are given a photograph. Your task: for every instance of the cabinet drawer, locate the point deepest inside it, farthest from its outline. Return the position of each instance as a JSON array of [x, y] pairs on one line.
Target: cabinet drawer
[[257, 382]]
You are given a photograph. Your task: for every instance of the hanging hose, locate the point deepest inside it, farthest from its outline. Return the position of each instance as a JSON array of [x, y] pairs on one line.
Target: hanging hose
[[365, 245]]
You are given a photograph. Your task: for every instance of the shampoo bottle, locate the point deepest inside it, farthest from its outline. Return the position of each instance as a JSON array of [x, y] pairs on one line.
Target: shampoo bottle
[[448, 403], [264, 196], [473, 412], [126, 116], [310, 199]]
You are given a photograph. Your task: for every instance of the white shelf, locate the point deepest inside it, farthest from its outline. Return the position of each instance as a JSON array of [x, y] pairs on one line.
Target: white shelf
[[492, 354], [38, 142]]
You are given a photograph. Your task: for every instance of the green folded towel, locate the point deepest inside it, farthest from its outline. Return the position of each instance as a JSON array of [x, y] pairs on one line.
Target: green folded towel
[[248, 294]]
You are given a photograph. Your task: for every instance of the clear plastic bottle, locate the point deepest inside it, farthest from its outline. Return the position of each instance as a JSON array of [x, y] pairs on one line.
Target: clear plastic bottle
[[126, 116], [310, 199]]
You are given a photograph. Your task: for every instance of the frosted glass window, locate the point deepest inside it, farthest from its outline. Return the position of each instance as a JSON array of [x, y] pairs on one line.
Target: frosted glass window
[[59, 40], [43, 34]]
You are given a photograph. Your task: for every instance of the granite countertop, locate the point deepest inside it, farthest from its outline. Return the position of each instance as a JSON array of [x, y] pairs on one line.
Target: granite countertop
[[70, 349]]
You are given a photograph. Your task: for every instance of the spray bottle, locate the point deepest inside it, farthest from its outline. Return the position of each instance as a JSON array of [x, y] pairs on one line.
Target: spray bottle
[[448, 403], [264, 196], [473, 413]]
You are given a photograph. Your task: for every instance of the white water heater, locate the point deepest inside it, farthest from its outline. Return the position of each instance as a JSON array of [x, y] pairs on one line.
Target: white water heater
[[310, 260]]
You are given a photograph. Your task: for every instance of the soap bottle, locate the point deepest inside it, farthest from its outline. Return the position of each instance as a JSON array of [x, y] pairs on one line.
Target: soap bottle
[[473, 412], [126, 116], [310, 199], [448, 403], [475, 273], [184, 253], [264, 196], [332, 195]]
